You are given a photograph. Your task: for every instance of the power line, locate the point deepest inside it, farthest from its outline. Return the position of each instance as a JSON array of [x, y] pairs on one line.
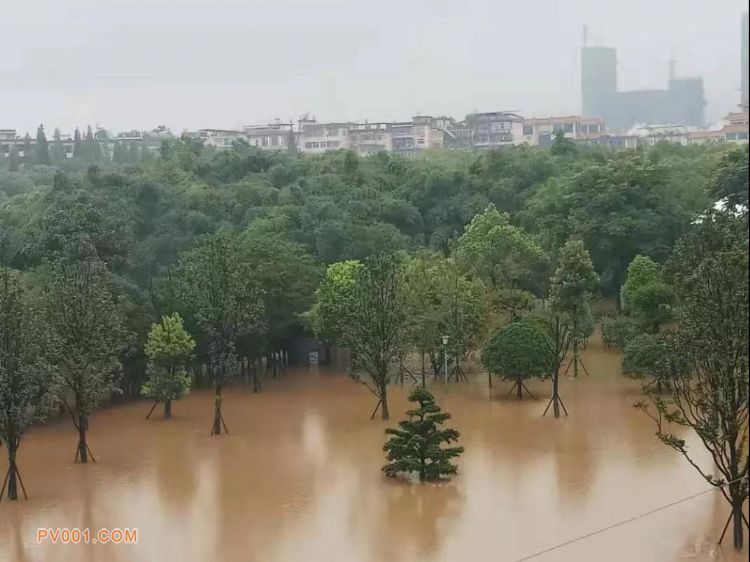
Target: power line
[[624, 521]]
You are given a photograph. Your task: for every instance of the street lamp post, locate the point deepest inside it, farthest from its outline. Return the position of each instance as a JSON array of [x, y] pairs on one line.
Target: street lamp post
[[445, 357]]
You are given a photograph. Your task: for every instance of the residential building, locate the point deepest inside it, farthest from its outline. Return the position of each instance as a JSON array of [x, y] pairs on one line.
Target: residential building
[[542, 131], [423, 132], [319, 137], [274, 136], [219, 138], [369, 138]]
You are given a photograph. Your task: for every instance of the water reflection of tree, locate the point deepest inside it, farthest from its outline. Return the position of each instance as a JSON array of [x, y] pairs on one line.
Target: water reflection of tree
[[417, 518], [575, 467], [175, 463]]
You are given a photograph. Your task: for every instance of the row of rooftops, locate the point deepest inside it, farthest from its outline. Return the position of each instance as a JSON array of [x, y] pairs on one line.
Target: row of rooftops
[[476, 130]]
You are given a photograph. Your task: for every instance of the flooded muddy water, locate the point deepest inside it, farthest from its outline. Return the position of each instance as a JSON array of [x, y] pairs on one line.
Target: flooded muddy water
[[298, 479]]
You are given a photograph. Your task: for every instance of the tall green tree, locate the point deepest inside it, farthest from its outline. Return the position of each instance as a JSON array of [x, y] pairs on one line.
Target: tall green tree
[[709, 270], [88, 336], [79, 150], [168, 349], [729, 182], [329, 316], [28, 153], [57, 153], [496, 251], [92, 150], [288, 276], [377, 325], [41, 148], [646, 295], [416, 447], [364, 307], [217, 287], [442, 302], [572, 287], [25, 380]]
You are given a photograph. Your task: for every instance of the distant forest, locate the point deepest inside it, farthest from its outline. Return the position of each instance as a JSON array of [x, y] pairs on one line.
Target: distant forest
[[295, 213]]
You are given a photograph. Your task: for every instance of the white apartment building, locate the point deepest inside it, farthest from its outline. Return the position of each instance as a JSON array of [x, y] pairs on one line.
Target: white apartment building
[[317, 137], [541, 131]]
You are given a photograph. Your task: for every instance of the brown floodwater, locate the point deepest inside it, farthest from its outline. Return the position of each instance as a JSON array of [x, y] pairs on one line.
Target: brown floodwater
[[298, 479]]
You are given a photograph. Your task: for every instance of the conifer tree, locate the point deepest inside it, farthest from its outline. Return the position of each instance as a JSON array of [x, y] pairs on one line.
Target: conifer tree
[[78, 149], [92, 152], [42, 146], [27, 155], [57, 154], [416, 446]]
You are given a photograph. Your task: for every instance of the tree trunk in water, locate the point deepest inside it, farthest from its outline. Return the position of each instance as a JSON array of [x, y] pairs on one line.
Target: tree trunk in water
[[256, 381], [12, 487], [168, 408], [739, 539], [555, 396], [519, 389], [384, 402], [423, 373], [217, 412], [82, 449]]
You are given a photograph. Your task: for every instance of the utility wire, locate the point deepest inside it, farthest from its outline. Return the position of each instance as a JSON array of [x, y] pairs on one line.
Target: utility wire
[[624, 521]]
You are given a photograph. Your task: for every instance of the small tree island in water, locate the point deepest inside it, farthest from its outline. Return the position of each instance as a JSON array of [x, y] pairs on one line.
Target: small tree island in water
[[416, 446]]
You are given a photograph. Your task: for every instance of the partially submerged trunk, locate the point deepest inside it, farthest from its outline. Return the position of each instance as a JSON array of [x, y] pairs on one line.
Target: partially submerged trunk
[[12, 470], [384, 402], [217, 412], [556, 395], [83, 456], [168, 408], [737, 522]]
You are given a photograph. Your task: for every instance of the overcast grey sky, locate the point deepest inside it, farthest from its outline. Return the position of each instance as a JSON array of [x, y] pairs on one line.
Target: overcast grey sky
[[222, 63]]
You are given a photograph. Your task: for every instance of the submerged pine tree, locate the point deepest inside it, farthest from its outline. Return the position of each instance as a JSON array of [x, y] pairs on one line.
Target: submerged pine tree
[[415, 447]]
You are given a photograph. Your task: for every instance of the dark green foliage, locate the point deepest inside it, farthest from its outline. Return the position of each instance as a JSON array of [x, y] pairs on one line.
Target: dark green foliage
[[41, 149], [377, 324], [57, 154], [709, 271], [416, 447], [519, 351], [646, 296], [654, 356], [619, 331], [142, 217], [729, 183], [25, 374], [13, 159], [215, 285], [562, 146], [87, 334]]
